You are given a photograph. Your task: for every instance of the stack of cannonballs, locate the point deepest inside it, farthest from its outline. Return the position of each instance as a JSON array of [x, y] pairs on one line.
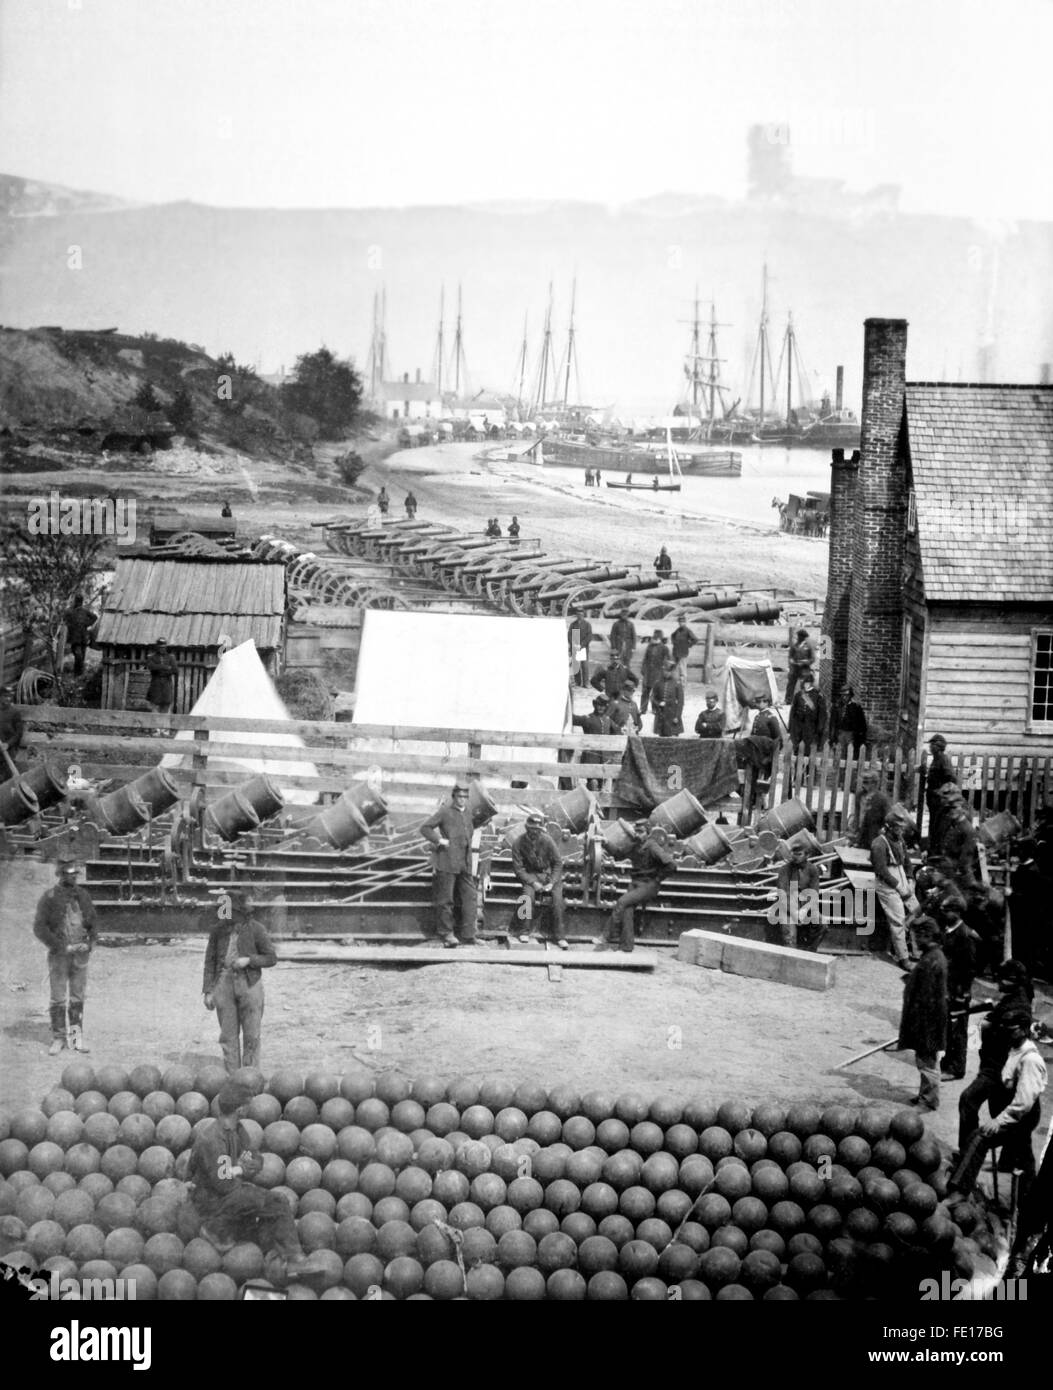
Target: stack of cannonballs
[[429, 1190]]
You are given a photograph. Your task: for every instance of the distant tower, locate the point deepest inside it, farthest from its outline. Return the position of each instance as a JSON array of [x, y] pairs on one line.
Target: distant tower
[[769, 171]]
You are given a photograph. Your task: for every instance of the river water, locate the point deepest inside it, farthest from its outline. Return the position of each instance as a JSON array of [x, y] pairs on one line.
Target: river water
[[767, 471]]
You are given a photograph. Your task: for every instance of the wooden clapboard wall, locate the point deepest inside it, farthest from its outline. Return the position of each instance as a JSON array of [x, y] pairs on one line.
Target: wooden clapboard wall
[[977, 681]]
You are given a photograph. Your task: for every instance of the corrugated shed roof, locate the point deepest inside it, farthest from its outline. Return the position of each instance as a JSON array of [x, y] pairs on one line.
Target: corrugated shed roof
[[982, 460], [193, 605]]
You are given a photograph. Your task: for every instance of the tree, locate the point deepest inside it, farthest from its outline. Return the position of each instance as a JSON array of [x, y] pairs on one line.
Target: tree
[[43, 573], [327, 389], [181, 411], [146, 399]]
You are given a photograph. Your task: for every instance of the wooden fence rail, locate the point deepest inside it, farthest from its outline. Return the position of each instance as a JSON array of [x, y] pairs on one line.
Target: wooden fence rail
[[827, 780]]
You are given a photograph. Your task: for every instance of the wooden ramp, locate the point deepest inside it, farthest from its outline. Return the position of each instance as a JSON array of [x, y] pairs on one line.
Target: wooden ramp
[[303, 954]]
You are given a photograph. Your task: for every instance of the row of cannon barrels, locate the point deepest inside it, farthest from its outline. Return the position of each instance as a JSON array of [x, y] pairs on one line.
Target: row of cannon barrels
[[527, 581], [324, 582]]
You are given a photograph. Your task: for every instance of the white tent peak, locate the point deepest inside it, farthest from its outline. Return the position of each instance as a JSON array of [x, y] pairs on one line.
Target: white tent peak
[[241, 688]]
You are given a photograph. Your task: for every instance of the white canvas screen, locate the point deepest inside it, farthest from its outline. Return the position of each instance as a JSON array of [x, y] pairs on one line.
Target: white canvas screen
[[463, 671]]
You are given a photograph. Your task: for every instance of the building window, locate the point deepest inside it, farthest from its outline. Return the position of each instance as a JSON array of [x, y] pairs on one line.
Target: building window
[[1040, 718], [912, 512], [904, 666]]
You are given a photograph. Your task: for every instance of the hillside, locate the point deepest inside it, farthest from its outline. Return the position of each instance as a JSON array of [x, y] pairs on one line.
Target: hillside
[[80, 388], [268, 284]]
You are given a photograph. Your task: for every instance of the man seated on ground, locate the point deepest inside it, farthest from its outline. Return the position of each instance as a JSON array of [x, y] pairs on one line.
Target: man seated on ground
[[1013, 1115], [795, 901], [1017, 992], [231, 1207], [650, 862], [710, 722], [539, 868]]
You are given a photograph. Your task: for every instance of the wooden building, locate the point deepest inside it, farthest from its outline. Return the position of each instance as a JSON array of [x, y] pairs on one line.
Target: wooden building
[[199, 607], [940, 597]]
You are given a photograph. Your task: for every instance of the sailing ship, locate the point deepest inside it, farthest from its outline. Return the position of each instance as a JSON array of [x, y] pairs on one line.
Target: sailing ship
[[802, 425], [706, 402]]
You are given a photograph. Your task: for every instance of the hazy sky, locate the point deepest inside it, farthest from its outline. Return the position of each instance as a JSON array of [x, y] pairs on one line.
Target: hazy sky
[[358, 103]]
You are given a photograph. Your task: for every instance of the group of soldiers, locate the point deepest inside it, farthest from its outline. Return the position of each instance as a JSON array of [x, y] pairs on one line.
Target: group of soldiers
[[624, 698]]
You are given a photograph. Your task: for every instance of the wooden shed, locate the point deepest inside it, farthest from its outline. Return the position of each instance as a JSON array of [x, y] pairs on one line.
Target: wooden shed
[[199, 607]]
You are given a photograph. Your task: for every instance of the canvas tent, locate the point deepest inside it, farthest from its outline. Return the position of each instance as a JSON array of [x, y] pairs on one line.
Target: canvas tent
[[744, 681], [463, 671], [241, 688]]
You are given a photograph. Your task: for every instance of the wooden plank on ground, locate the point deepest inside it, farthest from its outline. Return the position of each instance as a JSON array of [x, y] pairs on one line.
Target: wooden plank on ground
[[464, 955]]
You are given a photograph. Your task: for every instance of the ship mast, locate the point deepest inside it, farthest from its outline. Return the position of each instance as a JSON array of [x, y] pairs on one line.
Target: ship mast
[[439, 344], [459, 359], [546, 357], [762, 352], [378, 345], [571, 355], [522, 370]]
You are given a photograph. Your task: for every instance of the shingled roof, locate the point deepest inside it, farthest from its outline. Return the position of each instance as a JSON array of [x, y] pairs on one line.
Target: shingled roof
[[193, 604], [982, 460]]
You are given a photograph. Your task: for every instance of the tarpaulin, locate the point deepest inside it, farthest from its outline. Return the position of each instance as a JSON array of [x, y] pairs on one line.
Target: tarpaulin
[[654, 769], [744, 683]]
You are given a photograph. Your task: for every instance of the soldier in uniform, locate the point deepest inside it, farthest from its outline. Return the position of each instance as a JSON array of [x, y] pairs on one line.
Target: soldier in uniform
[[66, 924], [450, 830]]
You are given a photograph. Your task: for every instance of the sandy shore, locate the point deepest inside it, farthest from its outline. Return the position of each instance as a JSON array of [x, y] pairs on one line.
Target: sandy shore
[[455, 483]]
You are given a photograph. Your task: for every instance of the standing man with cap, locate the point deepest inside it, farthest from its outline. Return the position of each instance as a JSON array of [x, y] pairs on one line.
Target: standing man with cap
[[801, 661], [450, 830], [682, 641], [668, 700], [579, 635], [162, 667], [662, 563], [80, 624], [650, 862], [238, 950], [656, 654], [939, 773], [623, 639], [66, 924], [891, 865], [598, 722], [923, 1023], [848, 725], [960, 945], [539, 868], [807, 716], [12, 730], [710, 722], [624, 712]]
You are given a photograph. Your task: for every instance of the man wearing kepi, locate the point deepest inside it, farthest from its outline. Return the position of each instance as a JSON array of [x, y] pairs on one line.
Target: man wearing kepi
[[450, 830], [232, 1208], [238, 950], [650, 862], [539, 868], [66, 924]]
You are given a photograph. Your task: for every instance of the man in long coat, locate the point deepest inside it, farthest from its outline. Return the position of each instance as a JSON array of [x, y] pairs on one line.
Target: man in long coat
[[923, 1024]]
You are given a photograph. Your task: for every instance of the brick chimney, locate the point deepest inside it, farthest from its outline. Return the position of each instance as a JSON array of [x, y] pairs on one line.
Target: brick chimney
[[405, 378], [418, 376], [844, 478], [875, 618]]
